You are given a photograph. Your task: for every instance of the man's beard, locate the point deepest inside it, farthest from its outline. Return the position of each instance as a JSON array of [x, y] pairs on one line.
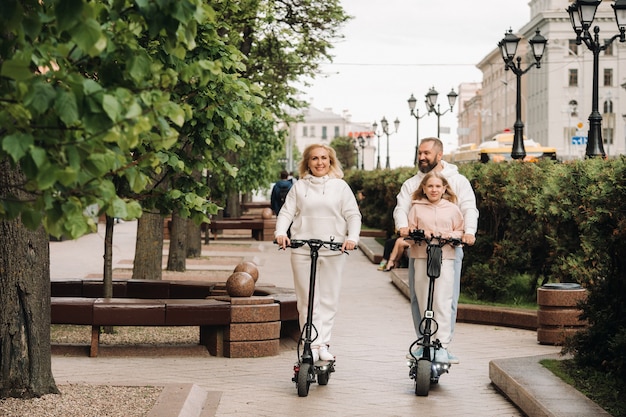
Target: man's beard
[[425, 169]]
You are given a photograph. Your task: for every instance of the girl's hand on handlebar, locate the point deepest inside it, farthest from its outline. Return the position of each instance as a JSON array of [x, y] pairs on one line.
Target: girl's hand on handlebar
[[348, 245], [283, 241]]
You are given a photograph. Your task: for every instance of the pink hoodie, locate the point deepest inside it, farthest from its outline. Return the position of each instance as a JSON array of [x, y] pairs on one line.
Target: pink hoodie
[[443, 218]]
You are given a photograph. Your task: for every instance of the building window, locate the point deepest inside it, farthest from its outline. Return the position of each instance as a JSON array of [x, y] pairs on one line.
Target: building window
[[609, 50], [608, 107], [336, 131], [573, 48], [607, 136], [312, 131], [305, 131], [324, 133], [608, 77], [573, 77]]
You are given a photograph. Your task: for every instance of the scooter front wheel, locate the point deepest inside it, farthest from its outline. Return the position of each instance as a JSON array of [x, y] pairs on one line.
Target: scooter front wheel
[[304, 381], [422, 378]]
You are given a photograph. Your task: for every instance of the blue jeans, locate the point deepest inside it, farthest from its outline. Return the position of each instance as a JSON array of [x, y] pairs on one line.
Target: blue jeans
[[415, 308]]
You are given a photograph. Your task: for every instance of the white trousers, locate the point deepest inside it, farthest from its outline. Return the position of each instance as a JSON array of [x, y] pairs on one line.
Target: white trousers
[[326, 296], [442, 296]]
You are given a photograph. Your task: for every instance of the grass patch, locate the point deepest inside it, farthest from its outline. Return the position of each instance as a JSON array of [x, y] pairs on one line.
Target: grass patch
[[604, 389], [518, 303]]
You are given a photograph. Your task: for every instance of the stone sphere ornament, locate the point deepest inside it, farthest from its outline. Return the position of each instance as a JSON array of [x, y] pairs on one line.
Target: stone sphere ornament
[[240, 284], [250, 268], [267, 213]]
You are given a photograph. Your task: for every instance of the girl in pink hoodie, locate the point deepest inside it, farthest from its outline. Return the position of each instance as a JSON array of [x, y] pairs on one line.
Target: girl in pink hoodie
[[433, 210]]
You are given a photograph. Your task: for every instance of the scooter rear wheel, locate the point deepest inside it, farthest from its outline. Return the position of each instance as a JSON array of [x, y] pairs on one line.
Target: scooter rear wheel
[[422, 378], [323, 377], [304, 382]]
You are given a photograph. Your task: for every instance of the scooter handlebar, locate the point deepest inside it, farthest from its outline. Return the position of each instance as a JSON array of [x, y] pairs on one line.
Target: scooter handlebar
[[418, 235], [316, 244]]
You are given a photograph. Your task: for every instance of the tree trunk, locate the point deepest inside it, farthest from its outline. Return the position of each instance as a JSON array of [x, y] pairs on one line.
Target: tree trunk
[[25, 357], [148, 263], [177, 252], [234, 205], [107, 273], [194, 240]]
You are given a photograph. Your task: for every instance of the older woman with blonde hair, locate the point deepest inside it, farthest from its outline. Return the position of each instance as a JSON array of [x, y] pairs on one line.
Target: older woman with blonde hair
[[320, 205]]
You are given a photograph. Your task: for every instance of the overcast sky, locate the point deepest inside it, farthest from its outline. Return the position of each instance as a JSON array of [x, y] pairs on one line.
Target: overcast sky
[[395, 48]]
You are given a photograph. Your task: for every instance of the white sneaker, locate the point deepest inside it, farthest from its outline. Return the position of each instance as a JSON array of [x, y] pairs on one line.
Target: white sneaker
[[325, 355], [316, 354], [442, 356], [452, 358]]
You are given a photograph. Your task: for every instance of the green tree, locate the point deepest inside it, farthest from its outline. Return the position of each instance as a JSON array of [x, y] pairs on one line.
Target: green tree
[[346, 152], [284, 42], [85, 112]]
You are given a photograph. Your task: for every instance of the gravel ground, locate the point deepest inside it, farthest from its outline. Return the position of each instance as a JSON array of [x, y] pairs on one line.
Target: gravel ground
[[85, 401], [96, 400]]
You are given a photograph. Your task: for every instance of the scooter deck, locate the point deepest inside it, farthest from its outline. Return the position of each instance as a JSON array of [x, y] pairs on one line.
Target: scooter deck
[[324, 365]]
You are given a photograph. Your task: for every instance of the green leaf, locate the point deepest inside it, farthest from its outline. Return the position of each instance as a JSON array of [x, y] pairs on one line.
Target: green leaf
[[17, 145], [66, 107], [139, 67], [111, 107], [17, 68], [89, 37], [40, 97]]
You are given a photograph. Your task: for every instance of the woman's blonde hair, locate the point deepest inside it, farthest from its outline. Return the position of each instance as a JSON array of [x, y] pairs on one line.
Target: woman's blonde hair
[[448, 194], [335, 165]]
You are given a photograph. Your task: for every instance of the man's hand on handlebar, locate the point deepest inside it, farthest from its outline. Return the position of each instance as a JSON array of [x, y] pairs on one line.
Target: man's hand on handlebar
[[468, 239]]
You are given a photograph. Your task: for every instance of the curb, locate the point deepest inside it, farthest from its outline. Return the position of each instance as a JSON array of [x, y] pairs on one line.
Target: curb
[[185, 400], [537, 391]]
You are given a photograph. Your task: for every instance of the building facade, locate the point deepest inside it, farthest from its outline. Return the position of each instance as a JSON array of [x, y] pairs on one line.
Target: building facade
[[322, 126], [556, 98]]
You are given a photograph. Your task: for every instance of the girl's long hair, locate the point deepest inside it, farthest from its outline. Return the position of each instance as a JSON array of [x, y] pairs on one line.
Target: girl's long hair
[[448, 193]]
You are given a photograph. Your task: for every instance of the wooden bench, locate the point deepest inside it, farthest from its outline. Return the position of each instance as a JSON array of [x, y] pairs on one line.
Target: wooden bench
[[254, 225], [97, 312], [177, 303]]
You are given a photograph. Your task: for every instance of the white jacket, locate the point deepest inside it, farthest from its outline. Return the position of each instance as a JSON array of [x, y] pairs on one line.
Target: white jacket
[[320, 208], [466, 200]]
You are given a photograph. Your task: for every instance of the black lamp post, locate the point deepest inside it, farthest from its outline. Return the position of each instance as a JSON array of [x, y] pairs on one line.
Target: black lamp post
[[362, 146], [375, 128], [431, 102], [385, 125], [416, 113], [508, 48], [581, 14]]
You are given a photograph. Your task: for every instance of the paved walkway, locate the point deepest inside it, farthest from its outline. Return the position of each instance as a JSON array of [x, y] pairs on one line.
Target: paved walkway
[[371, 338]]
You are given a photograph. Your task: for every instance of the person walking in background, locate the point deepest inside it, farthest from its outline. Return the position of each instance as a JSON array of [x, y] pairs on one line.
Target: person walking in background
[[280, 191], [430, 154], [434, 211], [322, 206]]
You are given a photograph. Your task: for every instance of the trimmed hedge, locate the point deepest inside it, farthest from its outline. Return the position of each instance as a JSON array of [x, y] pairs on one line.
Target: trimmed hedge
[[539, 223]]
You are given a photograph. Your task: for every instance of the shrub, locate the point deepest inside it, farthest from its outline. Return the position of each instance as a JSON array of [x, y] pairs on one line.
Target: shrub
[[539, 223]]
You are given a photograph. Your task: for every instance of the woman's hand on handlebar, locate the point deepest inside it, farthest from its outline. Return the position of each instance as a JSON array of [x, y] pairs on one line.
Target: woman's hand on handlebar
[[348, 245], [283, 241]]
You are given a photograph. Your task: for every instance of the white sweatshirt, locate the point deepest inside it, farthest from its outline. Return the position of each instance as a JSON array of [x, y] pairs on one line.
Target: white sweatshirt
[[320, 208], [466, 200]]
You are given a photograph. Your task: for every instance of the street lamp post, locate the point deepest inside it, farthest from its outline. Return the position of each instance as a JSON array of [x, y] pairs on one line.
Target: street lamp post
[[508, 48], [385, 125], [362, 146], [378, 135], [581, 14], [416, 113], [431, 102]]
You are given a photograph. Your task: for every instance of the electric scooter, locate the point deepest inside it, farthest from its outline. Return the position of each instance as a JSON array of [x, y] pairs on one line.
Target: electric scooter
[[305, 370], [422, 367]]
